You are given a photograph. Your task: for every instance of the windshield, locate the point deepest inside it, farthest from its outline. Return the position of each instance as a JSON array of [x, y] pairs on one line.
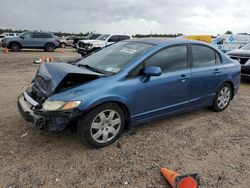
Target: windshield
[[89, 36], [246, 47], [20, 34], [103, 37], [114, 58]]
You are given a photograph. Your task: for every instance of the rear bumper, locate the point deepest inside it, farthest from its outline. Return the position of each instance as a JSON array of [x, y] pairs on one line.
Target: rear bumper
[[50, 121]]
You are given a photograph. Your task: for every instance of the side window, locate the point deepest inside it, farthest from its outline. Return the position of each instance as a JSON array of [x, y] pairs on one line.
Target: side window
[[37, 35], [218, 58], [114, 38], [169, 59], [203, 56], [47, 35], [124, 37], [27, 35]]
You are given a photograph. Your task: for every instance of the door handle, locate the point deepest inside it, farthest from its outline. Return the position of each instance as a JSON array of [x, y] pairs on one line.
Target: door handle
[[217, 71], [183, 77]]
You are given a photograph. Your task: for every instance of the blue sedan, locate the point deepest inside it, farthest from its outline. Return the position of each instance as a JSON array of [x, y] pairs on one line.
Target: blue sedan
[[127, 84]]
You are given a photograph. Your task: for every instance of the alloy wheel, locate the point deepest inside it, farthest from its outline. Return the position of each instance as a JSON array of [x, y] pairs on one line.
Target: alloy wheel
[[224, 97], [105, 126]]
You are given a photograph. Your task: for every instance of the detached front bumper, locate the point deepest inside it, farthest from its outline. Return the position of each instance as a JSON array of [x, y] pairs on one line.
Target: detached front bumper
[[51, 121]]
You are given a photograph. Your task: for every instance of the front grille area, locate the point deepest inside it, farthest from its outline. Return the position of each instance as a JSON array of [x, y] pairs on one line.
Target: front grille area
[[242, 61], [34, 92], [245, 70]]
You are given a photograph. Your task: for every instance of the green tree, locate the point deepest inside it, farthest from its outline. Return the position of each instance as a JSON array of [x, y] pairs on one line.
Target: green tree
[[229, 32]]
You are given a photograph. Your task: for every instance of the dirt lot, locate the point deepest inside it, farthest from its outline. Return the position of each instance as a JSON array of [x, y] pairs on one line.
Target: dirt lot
[[215, 145]]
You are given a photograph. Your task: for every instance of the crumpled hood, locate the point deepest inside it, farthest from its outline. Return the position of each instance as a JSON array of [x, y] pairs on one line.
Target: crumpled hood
[[53, 77]]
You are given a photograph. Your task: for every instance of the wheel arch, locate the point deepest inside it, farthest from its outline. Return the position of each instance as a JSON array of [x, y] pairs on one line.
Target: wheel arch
[[232, 87], [16, 43], [120, 103], [63, 43], [49, 43]]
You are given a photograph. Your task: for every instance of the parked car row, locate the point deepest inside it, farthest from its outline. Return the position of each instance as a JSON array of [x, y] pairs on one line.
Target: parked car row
[[49, 42]]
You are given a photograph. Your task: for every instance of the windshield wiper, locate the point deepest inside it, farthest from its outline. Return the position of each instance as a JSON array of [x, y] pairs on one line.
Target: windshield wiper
[[92, 68]]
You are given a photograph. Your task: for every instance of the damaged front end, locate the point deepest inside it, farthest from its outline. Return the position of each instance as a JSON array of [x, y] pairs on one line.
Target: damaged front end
[[243, 57], [52, 78]]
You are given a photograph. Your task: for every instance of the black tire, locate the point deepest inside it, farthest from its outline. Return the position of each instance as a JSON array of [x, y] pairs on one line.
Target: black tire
[[15, 47], [87, 132], [221, 104], [49, 47], [63, 45]]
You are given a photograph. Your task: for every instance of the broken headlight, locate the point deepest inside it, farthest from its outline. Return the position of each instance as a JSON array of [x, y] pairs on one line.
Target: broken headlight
[[60, 105]]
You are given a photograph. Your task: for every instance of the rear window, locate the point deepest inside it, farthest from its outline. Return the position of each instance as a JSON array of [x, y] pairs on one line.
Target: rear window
[[204, 56], [42, 35]]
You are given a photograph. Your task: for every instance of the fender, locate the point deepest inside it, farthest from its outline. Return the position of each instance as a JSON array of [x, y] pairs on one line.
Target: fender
[[92, 104]]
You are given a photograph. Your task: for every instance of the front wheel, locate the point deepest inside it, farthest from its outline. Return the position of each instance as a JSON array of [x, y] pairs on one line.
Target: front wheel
[[49, 47], [102, 125], [222, 98], [15, 47], [63, 45]]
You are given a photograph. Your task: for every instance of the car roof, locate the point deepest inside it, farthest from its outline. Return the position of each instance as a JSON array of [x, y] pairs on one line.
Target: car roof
[[159, 40]]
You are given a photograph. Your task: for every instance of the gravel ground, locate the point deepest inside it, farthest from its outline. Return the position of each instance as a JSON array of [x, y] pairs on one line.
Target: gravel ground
[[215, 145]]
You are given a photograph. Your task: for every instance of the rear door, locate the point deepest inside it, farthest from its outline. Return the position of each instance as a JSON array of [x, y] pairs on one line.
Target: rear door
[[39, 39], [207, 74]]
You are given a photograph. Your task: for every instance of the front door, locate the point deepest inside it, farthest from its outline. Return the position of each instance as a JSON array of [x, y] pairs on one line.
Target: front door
[[162, 94], [27, 39]]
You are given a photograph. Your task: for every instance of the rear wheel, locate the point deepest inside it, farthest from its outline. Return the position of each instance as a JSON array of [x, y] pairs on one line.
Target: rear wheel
[[49, 47], [15, 47], [63, 45], [102, 125], [222, 98]]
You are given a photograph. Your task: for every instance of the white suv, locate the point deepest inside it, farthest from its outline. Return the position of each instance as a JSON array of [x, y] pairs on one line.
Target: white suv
[[5, 35], [84, 47]]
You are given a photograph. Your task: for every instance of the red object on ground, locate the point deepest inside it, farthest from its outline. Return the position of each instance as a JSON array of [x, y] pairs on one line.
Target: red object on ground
[[177, 180], [6, 50]]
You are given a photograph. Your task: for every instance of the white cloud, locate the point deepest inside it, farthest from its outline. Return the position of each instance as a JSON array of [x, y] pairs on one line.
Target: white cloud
[[127, 16]]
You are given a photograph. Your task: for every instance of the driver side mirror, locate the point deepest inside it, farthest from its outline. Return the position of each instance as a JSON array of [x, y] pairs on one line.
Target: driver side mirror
[[22, 37], [151, 71]]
